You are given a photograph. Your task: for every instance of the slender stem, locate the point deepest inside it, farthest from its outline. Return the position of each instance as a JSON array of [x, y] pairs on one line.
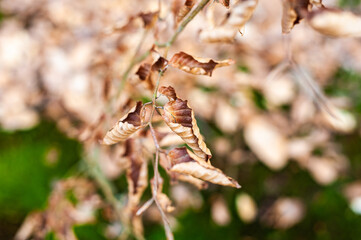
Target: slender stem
[[181, 27], [134, 60], [106, 187]]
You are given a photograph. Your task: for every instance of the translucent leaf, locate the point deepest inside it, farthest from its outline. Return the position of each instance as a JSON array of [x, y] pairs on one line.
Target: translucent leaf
[[241, 12], [197, 66], [125, 127], [335, 23], [137, 174], [292, 10], [180, 118], [185, 162], [184, 10]]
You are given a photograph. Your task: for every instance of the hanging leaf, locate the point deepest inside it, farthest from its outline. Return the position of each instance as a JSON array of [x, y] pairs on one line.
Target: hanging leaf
[[200, 184], [292, 13], [149, 19], [146, 75], [335, 23], [241, 12], [137, 174], [224, 3], [180, 118], [185, 162], [125, 127], [197, 66], [218, 35], [184, 10]]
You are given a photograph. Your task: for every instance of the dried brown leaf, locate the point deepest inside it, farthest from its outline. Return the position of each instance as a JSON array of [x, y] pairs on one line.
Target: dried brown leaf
[[149, 19], [198, 66], [224, 3], [241, 12], [185, 162], [125, 127], [335, 23], [180, 118], [200, 184], [292, 13], [218, 35], [184, 10], [137, 173]]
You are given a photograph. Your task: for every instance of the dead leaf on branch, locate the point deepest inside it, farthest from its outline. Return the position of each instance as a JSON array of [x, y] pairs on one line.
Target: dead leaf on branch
[[184, 10], [180, 118], [185, 162], [292, 13], [335, 23], [125, 127], [198, 183], [224, 3], [149, 19], [197, 66], [241, 13], [137, 173]]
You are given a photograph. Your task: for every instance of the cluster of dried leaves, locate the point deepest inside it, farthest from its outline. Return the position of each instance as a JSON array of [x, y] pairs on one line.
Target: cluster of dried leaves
[[85, 63]]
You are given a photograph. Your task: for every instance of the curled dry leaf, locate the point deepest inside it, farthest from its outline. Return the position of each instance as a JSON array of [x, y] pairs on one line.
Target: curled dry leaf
[[180, 118], [184, 10], [185, 162], [137, 174], [241, 12], [125, 127], [224, 3], [149, 19], [292, 13], [197, 66], [218, 35], [146, 75], [335, 23], [189, 179]]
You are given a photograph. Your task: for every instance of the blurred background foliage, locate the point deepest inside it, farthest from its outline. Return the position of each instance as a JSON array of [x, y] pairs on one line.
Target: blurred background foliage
[[27, 173], [32, 160]]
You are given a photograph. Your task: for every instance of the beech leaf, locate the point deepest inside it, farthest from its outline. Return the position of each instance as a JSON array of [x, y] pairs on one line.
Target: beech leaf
[[197, 66], [184, 10], [125, 127], [335, 23], [185, 162], [180, 118]]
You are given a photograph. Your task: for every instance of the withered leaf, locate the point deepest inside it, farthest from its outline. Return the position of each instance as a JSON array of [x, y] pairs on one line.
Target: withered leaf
[[180, 118], [125, 127], [241, 12], [149, 19], [218, 35], [198, 183], [224, 3], [146, 75], [198, 66], [184, 10], [137, 174], [292, 13], [160, 64], [185, 162], [335, 23]]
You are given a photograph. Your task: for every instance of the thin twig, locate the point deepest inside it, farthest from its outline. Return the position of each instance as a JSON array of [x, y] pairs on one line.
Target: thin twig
[[181, 27], [107, 188], [133, 61]]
